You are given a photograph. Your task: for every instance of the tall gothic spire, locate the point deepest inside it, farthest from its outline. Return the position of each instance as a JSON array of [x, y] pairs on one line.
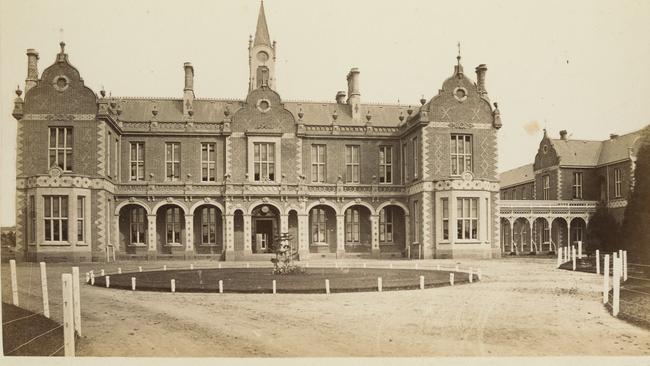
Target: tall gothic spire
[[262, 32]]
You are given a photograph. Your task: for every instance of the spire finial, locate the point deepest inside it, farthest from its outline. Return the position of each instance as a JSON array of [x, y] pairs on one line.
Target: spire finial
[[458, 57], [62, 44], [262, 32]]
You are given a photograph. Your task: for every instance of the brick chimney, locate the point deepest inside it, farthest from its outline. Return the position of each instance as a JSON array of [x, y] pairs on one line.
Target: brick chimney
[[354, 95], [32, 69], [563, 134], [188, 91], [480, 78], [613, 136], [340, 97]]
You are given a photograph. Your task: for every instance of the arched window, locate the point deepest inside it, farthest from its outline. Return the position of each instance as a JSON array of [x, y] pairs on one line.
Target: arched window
[[352, 228]]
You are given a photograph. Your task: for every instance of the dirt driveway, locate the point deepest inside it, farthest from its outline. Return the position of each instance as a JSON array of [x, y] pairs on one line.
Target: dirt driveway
[[523, 307]]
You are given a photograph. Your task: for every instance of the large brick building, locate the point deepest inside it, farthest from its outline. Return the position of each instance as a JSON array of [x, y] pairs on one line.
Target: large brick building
[[190, 177], [548, 203]]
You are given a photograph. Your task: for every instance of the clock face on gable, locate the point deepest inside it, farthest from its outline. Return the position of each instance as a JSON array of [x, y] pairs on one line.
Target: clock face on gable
[[262, 56]]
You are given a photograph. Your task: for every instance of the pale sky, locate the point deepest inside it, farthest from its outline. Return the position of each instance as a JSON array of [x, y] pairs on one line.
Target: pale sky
[[576, 65]]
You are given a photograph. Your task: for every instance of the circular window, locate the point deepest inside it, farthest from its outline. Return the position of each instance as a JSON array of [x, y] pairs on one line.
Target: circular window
[[263, 105], [61, 83], [460, 94], [262, 56]]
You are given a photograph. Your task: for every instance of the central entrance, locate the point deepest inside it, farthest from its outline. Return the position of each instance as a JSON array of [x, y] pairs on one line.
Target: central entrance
[[265, 228]]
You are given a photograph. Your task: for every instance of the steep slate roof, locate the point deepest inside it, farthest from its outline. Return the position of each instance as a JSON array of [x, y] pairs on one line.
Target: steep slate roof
[[320, 113], [577, 152], [616, 149], [519, 175]]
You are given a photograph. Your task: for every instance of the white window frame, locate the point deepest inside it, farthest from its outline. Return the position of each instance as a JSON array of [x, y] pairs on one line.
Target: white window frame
[[266, 163], [81, 219], [208, 221], [467, 217], [32, 218], [416, 222], [137, 226], [61, 219], [208, 163], [353, 226], [60, 147], [461, 160], [172, 161], [386, 164], [617, 182], [416, 161], [318, 225], [137, 166], [352, 158], [577, 185], [175, 226], [318, 166], [445, 218], [109, 154], [546, 186], [386, 234], [404, 163]]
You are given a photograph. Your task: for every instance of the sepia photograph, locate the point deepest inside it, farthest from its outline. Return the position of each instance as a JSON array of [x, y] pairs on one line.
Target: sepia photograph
[[344, 181]]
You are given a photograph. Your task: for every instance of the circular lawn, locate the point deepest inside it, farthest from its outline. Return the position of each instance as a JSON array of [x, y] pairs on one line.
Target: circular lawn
[[260, 280]]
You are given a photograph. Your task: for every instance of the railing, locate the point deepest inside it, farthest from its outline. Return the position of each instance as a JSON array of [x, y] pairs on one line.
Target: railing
[[548, 204]]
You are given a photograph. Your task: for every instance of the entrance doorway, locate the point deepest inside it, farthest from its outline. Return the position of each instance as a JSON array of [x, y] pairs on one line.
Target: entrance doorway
[[263, 235]]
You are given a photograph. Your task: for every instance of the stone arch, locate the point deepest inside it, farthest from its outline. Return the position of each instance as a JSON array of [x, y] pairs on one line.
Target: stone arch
[[393, 203], [208, 203], [329, 204], [169, 201], [254, 204], [359, 203], [123, 204]]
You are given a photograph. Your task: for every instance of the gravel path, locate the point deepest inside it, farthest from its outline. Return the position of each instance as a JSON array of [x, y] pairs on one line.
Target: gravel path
[[522, 307]]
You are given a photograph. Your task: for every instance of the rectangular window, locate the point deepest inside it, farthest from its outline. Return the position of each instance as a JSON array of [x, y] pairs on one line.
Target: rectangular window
[[318, 226], [386, 225], [138, 226], [385, 164], [524, 193], [55, 215], [318, 162], [352, 163], [172, 161], [136, 161], [546, 186], [352, 229], [461, 154], [577, 185], [32, 219], [117, 158], [416, 154], [416, 222], [173, 225], [467, 218], [405, 165], [264, 161], [208, 163], [209, 226], [81, 209], [60, 147], [109, 154], [445, 219], [577, 233], [617, 182]]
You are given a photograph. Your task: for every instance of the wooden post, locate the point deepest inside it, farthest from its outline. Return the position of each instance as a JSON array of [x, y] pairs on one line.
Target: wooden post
[[46, 300], [108, 281], [274, 287], [87, 277], [92, 278], [327, 286], [451, 278], [573, 257], [191, 266], [624, 265], [559, 257], [133, 283], [248, 265], [606, 279], [103, 273], [579, 249], [221, 286], [478, 274], [173, 285], [379, 284], [597, 261], [119, 270], [164, 267], [421, 282], [456, 269], [14, 281], [438, 267], [76, 300], [617, 286], [471, 275], [139, 268], [364, 265], [68, 315]]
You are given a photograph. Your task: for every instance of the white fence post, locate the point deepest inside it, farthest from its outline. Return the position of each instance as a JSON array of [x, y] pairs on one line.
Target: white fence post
[[478, 274], [421, 282], [119, 270], [14, 282], [87, 277], [606, 279], [173, 285], [456, 269], [221, 286], [133, 283], [108, 281], [573, 257], [103, 273], [451, 278], [92, 278], [219, 265], [437, 267], [617, 286], [624, 265], [274, 287], [164, 267], [191, 266], [327, 286], [139, 268], [559, 258], [76, 300], [379, 284], [46, 300], [597, 261], [68, 315], [580, 249]]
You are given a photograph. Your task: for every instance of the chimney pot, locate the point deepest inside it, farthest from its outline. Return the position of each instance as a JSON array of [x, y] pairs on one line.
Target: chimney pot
[[480, 78], [613, 136], [354, 94], [340, 97], [563, 134], [188, 91], [32, 69]]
